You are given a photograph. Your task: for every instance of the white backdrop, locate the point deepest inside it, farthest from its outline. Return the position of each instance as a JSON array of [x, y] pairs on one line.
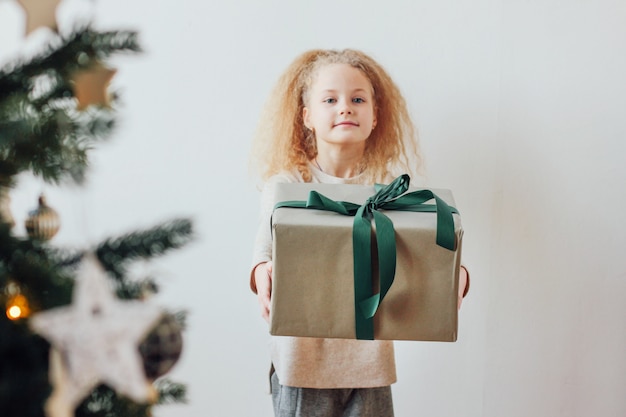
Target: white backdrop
[[520, 107]]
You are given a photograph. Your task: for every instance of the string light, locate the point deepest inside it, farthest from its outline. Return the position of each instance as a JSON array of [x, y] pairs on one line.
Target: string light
[[17, 307]]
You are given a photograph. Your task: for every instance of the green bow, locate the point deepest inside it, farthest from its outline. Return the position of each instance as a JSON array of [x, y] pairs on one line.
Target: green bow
[[389, 197]]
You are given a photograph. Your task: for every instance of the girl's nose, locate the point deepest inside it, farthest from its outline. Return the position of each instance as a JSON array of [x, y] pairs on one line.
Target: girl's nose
[[345, 109]]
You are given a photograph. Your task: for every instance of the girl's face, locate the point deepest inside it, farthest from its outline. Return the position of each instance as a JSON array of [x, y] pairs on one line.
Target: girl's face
[[340, 106]]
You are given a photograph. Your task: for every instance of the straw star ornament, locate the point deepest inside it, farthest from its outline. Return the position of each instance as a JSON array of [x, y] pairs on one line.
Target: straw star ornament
[[40, 13], [91, 86], [97, 338]]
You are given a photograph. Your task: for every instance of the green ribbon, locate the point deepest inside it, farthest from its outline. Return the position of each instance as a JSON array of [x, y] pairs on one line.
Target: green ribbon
[[388, 197]]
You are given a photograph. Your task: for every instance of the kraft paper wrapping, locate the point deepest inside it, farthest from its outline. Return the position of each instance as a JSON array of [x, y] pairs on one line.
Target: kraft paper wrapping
[[312, 291]]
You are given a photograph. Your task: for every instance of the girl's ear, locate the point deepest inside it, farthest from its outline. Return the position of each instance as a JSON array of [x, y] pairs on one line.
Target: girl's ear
[[305, 117]]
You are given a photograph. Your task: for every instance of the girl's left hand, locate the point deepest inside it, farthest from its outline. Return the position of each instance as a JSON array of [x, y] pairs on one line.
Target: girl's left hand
[[463, 284]]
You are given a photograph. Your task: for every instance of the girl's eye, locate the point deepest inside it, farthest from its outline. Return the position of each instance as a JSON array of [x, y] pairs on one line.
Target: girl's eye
[[358, 100], [329, 100]]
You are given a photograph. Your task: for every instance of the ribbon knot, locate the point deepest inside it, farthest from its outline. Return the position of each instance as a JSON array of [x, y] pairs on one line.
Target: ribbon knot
[[386, 194], [371, 205], [387, 197]]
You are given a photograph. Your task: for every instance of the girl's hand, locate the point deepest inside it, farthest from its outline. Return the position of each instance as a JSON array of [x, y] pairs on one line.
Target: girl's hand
[[463, 284], [263, 281]]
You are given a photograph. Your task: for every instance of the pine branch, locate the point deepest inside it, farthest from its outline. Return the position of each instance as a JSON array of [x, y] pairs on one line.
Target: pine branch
[[40, 130], [39, 276], [79, 50], [54, 144], [136, 290], [104, 402], [114, 253], [170, 392]]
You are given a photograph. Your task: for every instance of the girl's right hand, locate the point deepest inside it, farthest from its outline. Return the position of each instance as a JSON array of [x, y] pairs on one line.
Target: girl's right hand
[[263, 281]]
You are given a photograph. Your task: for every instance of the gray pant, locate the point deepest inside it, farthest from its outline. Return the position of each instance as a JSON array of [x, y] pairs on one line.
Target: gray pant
[[311, 402]]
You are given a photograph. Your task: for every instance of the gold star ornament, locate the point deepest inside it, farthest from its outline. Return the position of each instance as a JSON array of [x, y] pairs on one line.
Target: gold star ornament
[[40, 13], [91, 86], [97, 339]]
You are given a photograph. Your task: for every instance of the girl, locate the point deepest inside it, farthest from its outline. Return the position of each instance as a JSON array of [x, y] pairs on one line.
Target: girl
[[334, 117]]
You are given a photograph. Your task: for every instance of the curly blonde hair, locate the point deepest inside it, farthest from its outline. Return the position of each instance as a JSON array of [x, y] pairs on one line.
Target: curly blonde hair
[[283, 143]]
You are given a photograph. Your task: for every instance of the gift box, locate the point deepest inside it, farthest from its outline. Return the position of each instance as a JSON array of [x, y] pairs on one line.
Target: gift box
[[333, 255]]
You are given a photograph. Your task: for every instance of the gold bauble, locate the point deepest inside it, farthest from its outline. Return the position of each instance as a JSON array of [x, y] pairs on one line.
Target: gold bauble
[[42, 223], [162, 347]]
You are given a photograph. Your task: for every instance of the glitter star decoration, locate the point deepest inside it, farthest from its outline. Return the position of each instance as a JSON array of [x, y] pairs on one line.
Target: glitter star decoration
[[40, 13], [97, 337], [91, 86]]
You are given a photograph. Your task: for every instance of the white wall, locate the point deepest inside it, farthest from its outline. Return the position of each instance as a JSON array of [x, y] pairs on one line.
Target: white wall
[[555, 335], [520, 107]]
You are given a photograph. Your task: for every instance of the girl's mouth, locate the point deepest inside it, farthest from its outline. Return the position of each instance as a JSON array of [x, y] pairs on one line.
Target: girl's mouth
[[347, 123]]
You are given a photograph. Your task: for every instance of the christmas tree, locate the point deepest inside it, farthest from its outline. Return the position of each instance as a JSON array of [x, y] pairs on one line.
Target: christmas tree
[[79, 337]]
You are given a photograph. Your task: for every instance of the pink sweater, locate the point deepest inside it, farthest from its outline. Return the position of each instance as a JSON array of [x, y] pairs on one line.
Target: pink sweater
[[321, 363]]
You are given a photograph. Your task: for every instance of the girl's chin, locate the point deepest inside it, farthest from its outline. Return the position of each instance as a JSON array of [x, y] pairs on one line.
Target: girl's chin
[[347, 141]]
